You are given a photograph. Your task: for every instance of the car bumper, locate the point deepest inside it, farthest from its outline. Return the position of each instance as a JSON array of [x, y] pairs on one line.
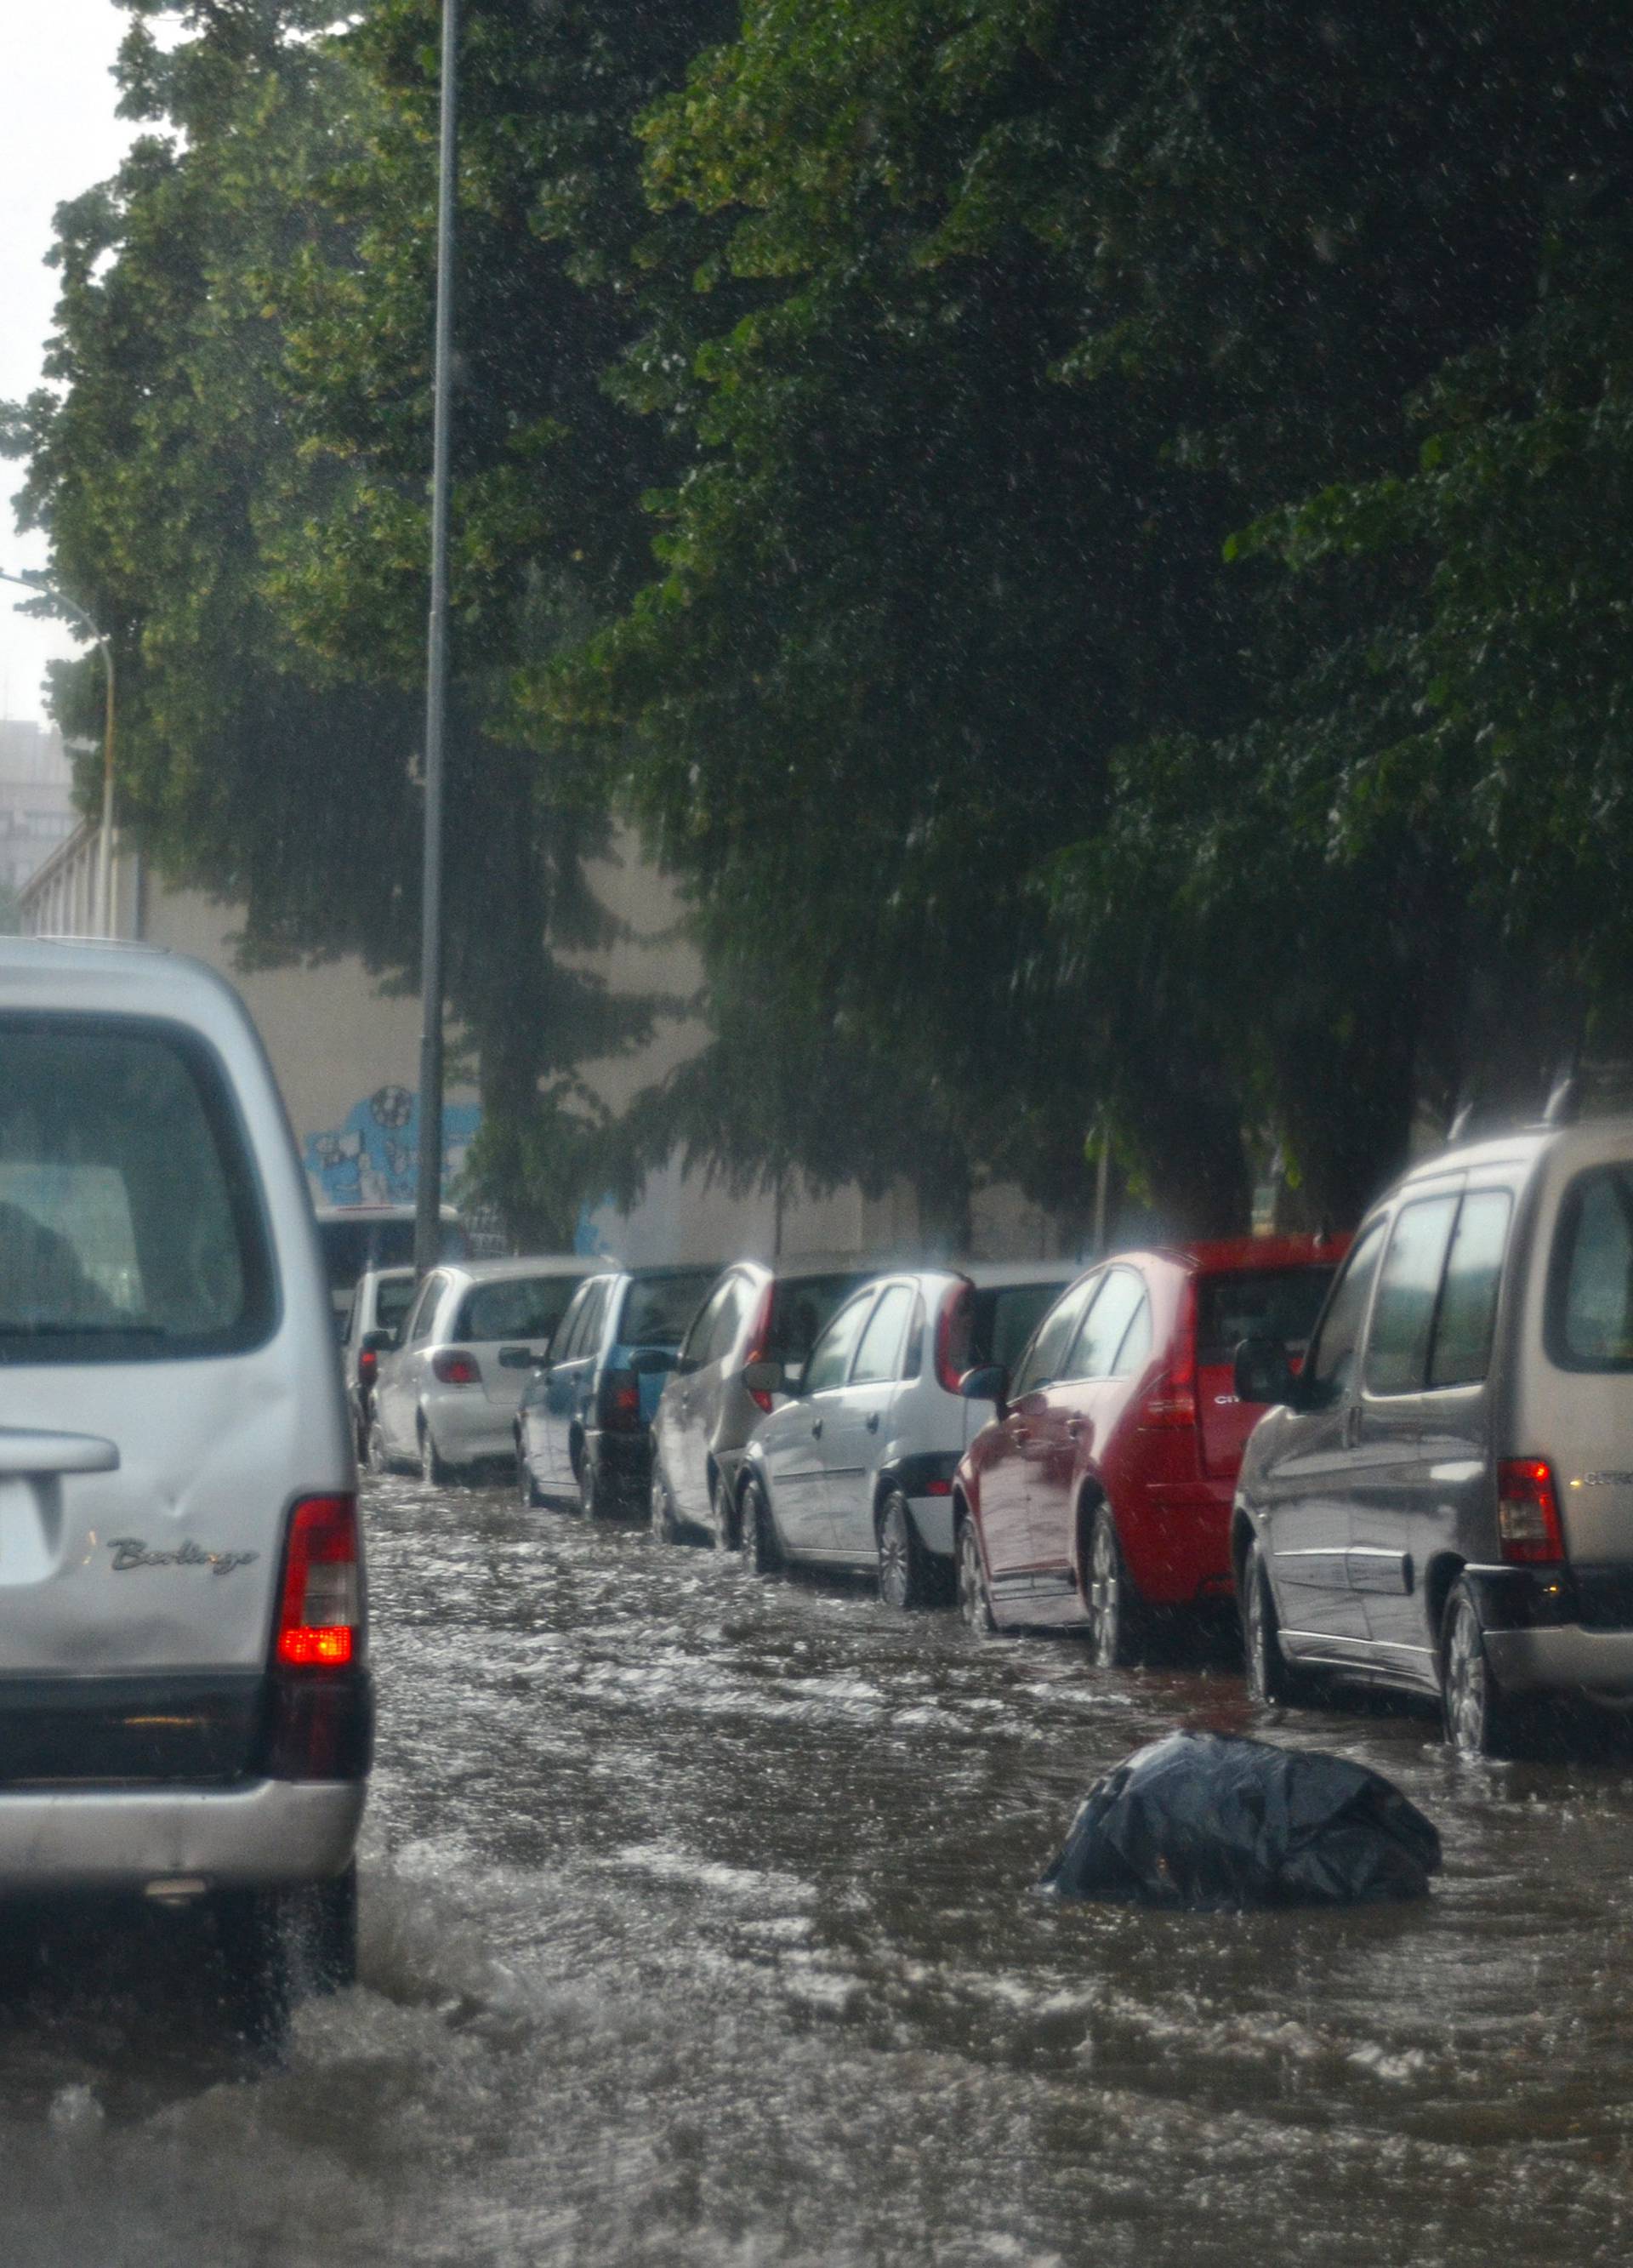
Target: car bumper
[[467, 1428], [932, 1516], [1564, 1658], [257, 1835], [1175, 1536], [623, 1462]]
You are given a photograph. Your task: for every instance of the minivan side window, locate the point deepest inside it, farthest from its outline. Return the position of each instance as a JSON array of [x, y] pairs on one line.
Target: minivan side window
[[1332, 1356], [879, 1357], [830, 1357], [1590, 1292], [1461, 1353], [1403, 1313], [1105, 1326]]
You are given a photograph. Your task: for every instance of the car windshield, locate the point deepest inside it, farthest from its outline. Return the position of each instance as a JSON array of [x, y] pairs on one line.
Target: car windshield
[[1270, 1303], [1005, 1318], [130, 1219], [659, 1309], [520, 1307], [800, 1307]]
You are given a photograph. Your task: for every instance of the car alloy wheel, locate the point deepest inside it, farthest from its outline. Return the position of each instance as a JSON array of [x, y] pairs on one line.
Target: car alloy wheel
[[526, 1487], [902, 1575], [1481, 1721], [1270, 1679], [1113, 1608], [592, 1489], [378, 1459], [758, 1544], [433, 1470], [974, 1600], [664, 1524]]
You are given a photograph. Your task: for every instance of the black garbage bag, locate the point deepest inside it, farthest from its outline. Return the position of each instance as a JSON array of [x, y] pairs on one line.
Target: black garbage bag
[[1209, 1821]]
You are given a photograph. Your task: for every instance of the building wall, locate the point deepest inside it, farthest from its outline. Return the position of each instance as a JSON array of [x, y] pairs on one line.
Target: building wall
[[36, 810]]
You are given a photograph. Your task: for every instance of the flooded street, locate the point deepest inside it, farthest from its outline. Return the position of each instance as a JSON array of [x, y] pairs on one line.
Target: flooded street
[[697, 1927]]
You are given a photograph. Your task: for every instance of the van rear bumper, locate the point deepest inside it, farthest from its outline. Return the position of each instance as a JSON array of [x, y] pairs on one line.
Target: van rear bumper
[[256, 1834], [1562, 1659]]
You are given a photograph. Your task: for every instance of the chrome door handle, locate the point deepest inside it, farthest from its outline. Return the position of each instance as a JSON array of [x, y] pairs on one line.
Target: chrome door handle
[[816, 1428]]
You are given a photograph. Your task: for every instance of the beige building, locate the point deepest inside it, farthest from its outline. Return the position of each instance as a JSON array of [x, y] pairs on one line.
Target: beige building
[[346, 1057]]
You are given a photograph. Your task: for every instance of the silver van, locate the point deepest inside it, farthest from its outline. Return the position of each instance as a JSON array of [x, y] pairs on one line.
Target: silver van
[[185, 1704], [1443, 1501]]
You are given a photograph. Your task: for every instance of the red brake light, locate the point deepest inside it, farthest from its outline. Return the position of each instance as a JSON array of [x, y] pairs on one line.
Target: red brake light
[[368, 1363], [954, 1328], [1527, 1513], [620, 1400], [1173, 1400], [321, 1601], [455, 1367], [759, 1346]]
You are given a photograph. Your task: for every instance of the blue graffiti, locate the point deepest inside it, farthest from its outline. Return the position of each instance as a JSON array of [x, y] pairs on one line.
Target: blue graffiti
[[373, 1157]]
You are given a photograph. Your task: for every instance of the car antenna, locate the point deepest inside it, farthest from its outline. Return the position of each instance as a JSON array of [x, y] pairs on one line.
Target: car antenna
[[1564, 1104], [1462, 1118]]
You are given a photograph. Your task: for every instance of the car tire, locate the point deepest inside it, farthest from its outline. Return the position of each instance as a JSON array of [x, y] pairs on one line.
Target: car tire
[[758, 1546], [1117, 1616], [1272, 1681], [974, 1597], [665, 1526], [378, 1459], [904, 1576], [527, 1488], [435, 1470], [1480, 1721], [596, 1499], [282, 1946]]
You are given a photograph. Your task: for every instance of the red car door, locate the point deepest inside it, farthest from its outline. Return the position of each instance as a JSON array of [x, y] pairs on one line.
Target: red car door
[[1078, 1413], [1005, 1454]]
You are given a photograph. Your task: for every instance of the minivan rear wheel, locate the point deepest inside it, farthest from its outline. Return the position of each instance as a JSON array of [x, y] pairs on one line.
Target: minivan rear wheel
[[1481, 1721], [285, 1946]]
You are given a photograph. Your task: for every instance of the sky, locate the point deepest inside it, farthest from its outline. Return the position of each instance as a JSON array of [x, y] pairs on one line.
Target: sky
[[58, 134]]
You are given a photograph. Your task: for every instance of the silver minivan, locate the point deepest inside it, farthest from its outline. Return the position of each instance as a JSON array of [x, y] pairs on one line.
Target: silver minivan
[[185, 1706], [1443, 1499]]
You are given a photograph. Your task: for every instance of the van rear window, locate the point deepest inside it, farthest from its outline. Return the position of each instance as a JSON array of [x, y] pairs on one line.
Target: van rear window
[[1590, 1292], [1270, 1303], [130, 1221]]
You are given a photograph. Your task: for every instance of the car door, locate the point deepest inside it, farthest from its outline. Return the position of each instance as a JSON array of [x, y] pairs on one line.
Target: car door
[[397, 1394], [1006, 1450], [858, 1422], [792, 1438], [546, 1414], [1424, 1414], [1303, 1486], [1385, 1422], [1076, 1416], [571, 1380], [714, 1335]]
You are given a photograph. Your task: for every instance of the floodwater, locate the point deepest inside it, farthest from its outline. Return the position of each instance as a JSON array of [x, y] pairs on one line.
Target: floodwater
[[697, 1927]]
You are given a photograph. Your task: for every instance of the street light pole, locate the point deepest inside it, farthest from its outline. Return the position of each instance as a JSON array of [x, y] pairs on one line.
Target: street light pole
[[427, 1196], [104, 850]]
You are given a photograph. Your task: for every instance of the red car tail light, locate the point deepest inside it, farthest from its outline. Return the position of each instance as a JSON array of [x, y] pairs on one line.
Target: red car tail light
[[759, 1345], [619, 1401], [368, 1363], [1527, 1513], [1173, 1400], [955, 1327], [455, 1367], [320, 1598]]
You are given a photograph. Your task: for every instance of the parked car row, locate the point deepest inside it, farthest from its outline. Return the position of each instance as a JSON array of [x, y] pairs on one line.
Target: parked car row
[[1405, 1461]]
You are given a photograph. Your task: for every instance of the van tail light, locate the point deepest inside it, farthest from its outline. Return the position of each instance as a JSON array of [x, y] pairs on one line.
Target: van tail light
[[759, 1347], [455, 1367], [368, 1363], [619, 1401], [320, 1598], [1173, 1400], [954, 1329], [1527, 1513]]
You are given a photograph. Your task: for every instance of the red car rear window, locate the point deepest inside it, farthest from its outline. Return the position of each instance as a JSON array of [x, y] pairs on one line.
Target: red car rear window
[[1271, 1303]]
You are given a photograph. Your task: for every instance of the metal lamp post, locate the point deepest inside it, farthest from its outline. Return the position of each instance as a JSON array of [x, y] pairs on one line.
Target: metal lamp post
[[105, 853], [428, 1199]]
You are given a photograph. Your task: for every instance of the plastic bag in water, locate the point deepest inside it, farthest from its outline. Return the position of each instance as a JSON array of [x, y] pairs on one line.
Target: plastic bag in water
[[1209, 1821]]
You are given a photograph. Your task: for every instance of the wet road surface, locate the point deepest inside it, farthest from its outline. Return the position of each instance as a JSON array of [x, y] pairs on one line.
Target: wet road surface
[[697, 1927]]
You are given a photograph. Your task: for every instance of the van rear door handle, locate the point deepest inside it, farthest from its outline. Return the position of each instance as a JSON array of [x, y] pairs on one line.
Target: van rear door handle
[[1352, 1426], [25, 1455]]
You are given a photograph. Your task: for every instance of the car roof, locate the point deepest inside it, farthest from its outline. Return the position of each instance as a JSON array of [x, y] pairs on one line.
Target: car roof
[[1234, 1255], [998, 1275], [507, 1271]]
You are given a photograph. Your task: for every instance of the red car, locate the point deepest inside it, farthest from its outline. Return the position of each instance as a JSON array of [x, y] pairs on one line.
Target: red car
[[1102, 1490]]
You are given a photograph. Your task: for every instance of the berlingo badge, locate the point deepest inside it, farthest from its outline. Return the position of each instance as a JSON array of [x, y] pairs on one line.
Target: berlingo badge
[[130, 1552]]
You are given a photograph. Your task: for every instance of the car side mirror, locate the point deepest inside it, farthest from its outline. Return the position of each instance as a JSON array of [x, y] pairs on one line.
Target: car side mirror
[[989, 1381], [1264, 1374], [768, 1378], [647, 1361]]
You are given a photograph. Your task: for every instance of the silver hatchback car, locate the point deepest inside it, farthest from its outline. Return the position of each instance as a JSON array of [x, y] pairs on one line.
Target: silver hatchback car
[[185, 1700], [446, 1390], [1443, 1501]]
